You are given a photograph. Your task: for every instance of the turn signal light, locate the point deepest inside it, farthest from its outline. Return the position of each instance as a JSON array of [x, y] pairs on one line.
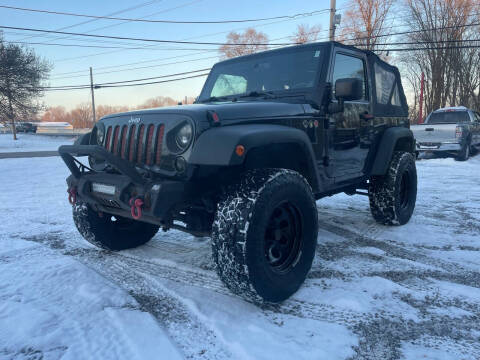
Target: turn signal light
[[240, 150]]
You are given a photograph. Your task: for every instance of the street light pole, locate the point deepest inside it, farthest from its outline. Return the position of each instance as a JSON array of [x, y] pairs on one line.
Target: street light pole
[[93, 96]]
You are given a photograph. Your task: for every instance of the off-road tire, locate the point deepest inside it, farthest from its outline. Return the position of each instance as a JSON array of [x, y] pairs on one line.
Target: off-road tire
[[242, 225], [111, 233], [464, 153], [393, 196]]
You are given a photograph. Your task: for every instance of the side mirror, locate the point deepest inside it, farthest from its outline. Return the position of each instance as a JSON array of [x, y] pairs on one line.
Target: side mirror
[[348, 89]]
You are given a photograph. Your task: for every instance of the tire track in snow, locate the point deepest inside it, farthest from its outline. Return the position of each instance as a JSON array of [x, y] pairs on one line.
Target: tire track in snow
[[461, 275], [182, 325], [134, 274]]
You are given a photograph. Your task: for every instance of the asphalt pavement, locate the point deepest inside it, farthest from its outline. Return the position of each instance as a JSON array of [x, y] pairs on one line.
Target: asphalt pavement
[[27, 154]]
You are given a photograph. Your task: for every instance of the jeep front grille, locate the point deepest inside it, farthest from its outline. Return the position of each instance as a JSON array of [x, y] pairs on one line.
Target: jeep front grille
[[140, 144]]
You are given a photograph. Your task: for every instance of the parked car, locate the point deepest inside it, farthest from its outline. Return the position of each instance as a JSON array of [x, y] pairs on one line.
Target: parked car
[[54, 128], [269, 134], [451, 130], [26, 127]]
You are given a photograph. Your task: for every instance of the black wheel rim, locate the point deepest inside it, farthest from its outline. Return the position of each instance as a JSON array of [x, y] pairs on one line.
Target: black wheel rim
[[404, 190], [283, 238]]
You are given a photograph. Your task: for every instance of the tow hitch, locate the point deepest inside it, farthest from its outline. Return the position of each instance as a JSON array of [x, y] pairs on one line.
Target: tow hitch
[[136, 205], [72, 195]]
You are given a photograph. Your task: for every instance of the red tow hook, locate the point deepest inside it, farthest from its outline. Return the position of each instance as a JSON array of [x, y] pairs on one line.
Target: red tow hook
[[72, 195], [136, 207]]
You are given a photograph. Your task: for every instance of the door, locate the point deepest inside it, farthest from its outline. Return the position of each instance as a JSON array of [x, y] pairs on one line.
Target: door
[[350, 130]]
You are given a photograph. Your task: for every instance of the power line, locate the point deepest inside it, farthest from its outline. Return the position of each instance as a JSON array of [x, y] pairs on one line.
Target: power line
[[427, 42], [102, 47], [414, 31], [124, 83], [219, 43], [134, 39], [156, 82], [111, 14], [125, 22], [127, 85], [212, 57], [431, 48], [128, 81], [195, 37], [133, 63], [163, 21], [141, 67], [116, 66]]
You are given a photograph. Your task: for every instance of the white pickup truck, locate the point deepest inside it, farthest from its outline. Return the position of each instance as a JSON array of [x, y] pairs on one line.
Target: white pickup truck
[[452, 130]]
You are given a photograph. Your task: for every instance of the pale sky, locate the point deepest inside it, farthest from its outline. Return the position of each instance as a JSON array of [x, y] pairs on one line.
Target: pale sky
[[109, 64]]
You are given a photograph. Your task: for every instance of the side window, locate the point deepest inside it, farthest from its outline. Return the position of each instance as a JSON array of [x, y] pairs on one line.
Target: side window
[[229, 85], [477, 117], [384, 81], [349, 67], [396, 97]]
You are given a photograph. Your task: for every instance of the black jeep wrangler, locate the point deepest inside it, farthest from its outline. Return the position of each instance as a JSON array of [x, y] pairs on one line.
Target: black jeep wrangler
[[269, 134]]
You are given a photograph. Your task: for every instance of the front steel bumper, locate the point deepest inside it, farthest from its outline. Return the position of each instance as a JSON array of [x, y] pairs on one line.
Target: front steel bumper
[[160, 197]]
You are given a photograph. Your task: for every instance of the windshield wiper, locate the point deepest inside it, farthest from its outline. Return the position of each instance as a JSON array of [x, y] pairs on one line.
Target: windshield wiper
[[258, 94], [214, 98]]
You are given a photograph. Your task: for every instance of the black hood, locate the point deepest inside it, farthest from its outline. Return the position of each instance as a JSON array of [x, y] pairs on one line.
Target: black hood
[[225, 110]]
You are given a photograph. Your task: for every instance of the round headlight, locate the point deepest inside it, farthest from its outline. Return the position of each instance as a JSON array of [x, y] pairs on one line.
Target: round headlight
[[100, 134], [184, 136]]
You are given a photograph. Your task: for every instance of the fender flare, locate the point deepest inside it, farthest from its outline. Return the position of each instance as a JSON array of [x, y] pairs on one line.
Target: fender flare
[[387, 145], [216, 146]]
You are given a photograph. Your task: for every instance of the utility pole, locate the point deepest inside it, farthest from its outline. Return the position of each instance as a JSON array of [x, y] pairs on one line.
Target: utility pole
[[422, 85], [333, 9], [93, 96]]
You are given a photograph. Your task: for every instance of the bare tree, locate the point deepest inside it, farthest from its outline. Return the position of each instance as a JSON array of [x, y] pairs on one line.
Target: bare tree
[[102, 110], [81, 116], [249, 42], [451, 73], [305, 34], [56, 114], [21, 76], [365, 23], [159, 101]]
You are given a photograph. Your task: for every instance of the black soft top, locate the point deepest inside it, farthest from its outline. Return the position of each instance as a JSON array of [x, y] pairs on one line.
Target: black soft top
[[388, 97], [392, 102]]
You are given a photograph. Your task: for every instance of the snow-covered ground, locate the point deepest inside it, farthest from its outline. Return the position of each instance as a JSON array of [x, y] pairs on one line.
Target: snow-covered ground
[[374, 292], [32, 142]]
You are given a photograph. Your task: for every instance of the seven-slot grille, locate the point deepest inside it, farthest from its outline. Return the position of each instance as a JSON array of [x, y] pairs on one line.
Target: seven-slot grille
[[140, 143]]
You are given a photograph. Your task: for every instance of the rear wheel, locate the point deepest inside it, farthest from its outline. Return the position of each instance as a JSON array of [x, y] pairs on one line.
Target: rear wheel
[[393, 196], [111, 232], [264, 235], [464, 154]]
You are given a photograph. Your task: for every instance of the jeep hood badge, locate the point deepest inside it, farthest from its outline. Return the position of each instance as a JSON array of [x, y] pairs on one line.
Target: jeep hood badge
[[133, 120]]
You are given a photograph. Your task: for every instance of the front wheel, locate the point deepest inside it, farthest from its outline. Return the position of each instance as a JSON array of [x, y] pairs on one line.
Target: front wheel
[[393, 196], [111, 232], [264, 235]]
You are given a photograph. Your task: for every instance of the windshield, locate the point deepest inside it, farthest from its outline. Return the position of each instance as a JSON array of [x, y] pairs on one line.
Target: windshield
[[448, 117], [271, 72]]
